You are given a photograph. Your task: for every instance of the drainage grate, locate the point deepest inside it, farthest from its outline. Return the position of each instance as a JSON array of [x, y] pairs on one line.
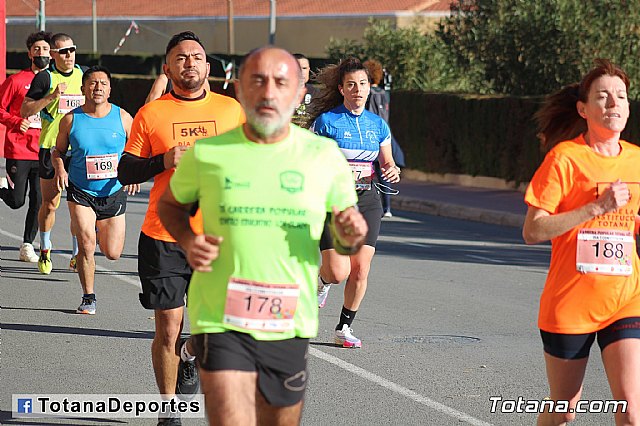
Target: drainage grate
[[434, 339]]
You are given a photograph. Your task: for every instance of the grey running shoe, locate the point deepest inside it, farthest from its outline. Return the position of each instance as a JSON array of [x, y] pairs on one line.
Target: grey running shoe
[[88, 306]]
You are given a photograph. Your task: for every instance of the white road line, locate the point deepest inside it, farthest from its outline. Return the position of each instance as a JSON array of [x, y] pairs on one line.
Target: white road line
[[487, 259], [416, 245], [463, 417], [458, 243], [133, 281], [345, 366]]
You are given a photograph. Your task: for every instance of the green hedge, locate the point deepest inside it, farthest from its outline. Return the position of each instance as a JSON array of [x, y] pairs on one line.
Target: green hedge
[[474, 135]]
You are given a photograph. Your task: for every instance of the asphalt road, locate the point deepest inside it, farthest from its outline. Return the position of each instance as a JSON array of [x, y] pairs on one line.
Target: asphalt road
[[449, 322]]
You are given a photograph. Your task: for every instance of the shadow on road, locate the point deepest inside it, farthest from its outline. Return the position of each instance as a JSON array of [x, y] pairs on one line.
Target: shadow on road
[[7, 419], [16, 308], [37, 328]]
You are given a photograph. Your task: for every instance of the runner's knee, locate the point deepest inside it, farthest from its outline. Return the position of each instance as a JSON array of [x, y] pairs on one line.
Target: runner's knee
[[334, 273], [167, 331]]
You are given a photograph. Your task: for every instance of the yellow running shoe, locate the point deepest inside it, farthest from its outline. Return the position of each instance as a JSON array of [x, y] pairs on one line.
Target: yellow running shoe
[[73, 264], [44, 263]]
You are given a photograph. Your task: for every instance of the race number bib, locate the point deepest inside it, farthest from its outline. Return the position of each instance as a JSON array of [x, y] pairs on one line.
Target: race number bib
[[259, 306], [35, 122], [362, 174], [606, 252], [102, 166], [69, 102]]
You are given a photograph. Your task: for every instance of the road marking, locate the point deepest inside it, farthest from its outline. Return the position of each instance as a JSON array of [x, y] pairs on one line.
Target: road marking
[[416, 245], [463, 417], [488, 259], [460, 243]]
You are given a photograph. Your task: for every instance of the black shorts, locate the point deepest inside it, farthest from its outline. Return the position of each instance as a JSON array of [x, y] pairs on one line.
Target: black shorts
[[164, 273], [45, 166], [104, 207], [370, 207], [281, 364], [577, 346]]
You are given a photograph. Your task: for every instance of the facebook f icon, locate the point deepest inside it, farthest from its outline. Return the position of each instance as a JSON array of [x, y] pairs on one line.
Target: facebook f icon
[[24, 405]]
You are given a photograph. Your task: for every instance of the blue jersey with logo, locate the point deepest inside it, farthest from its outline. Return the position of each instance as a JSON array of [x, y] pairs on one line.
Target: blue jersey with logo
[[96, 147], [359, 137]]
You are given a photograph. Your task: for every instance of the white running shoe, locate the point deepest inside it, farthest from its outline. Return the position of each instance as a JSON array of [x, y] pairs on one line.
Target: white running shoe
[[4, 184], [28, 254], [346, 339], [387, 214], [323, 292]]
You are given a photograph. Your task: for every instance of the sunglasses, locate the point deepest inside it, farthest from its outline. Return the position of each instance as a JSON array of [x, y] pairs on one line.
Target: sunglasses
[[65, 50]]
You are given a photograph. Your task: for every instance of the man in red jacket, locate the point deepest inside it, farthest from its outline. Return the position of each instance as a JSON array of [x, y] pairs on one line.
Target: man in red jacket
[[21, 142]]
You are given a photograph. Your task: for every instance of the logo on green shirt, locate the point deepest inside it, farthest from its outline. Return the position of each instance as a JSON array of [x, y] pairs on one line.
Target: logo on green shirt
[[291, 181], [229, 184]]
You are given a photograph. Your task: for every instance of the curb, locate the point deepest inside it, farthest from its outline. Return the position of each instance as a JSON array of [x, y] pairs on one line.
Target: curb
[[457, 211]]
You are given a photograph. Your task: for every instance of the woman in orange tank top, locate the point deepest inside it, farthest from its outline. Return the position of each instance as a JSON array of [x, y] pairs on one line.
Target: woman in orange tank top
[[585, 199]]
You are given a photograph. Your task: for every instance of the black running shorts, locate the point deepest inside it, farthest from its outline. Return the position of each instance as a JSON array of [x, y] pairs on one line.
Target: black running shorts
[[164, 273], [104, 207], [45, 166], [370, 206], [281, 364], [577, 346]]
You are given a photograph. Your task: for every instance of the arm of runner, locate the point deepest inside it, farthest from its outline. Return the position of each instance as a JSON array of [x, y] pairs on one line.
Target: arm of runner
[[201, 250], [7, 119], [127, 120], [157, 88], [540, 225], [62, 145], [133, 169], [173, 156], [33, 106], [349, 229], [390, 171]]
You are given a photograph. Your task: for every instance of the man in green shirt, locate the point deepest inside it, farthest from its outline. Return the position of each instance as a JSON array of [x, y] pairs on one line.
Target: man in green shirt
[[264, 190]]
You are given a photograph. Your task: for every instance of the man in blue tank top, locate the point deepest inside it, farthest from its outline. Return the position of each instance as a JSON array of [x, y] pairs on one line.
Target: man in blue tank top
[[97, 133]]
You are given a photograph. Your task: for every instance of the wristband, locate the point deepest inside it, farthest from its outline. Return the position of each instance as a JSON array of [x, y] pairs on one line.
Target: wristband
[[340, 249]]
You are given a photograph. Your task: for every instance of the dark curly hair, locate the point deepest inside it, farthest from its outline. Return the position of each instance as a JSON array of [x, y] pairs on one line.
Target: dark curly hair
[[330, 78], [375, 70], [40, 35]]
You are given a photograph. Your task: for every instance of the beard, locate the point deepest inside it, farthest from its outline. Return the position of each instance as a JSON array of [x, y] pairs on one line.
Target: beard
[[188, 85], [265, 126]]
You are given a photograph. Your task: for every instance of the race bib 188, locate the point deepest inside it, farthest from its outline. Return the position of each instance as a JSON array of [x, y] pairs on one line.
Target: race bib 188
[[604, 251]]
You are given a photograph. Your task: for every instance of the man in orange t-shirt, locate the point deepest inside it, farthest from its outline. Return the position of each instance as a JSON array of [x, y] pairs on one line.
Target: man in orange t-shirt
[[161, 132]]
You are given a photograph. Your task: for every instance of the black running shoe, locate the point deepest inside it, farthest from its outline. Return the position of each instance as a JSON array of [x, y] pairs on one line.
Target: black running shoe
[[174, 421], [188, 383]]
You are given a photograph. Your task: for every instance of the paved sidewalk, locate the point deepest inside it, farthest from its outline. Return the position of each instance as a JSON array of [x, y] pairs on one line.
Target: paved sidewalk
[[496, 206]]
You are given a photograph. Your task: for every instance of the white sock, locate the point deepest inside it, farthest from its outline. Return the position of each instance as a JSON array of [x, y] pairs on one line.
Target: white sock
[[185, 355]]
